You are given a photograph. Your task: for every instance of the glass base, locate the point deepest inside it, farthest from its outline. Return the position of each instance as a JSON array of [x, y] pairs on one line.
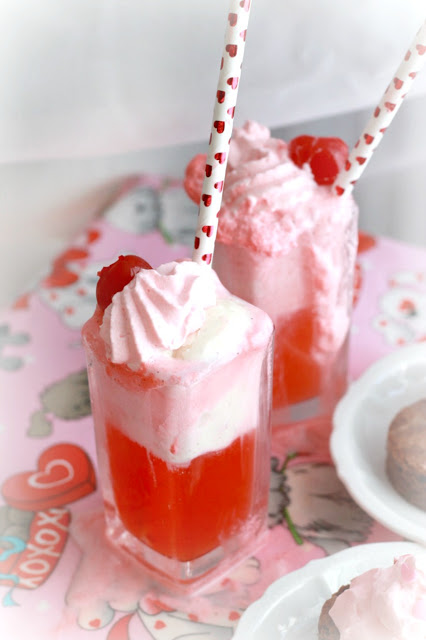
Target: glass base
[[192, 575]]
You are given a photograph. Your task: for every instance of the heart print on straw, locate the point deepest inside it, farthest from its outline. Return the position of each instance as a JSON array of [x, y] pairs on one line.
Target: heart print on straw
[[383, 114], [221, 131]]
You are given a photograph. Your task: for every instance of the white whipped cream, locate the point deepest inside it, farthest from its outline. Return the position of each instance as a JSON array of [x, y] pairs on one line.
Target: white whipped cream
[[225, 324], [158, 310], [205, 351], [384, 604]]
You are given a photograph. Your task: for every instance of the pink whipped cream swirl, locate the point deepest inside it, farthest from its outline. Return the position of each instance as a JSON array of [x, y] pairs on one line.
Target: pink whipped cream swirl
[[158, 310], [384, 604], [268, 201]]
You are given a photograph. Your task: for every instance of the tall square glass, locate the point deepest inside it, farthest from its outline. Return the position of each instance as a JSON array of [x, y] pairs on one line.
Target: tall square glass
[[182, 517]]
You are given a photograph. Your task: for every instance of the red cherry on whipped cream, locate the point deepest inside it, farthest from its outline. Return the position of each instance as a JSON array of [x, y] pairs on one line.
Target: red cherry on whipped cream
[[300, 149], [115, 277], [325, 156]]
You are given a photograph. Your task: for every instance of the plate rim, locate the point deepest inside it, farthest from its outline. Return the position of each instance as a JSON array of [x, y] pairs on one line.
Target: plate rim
[[343, 423], [254, 616]]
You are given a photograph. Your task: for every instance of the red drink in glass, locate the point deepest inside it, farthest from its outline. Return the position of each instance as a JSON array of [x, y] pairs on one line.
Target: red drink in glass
[[183, 441], [211, 496]]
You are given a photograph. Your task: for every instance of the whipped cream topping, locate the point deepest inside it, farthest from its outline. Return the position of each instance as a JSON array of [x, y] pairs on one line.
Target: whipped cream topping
[[158, 310], [268, 201], [201, 355], [224, 325], [300, 236], [384, 604]]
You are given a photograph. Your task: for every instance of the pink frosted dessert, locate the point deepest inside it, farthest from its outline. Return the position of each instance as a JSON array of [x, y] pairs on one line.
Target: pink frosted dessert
[[381, 604], [180, 373], [288, 244]]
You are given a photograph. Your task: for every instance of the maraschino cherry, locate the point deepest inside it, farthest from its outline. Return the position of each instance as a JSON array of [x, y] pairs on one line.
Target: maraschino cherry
[[325, 156], [115, 277]]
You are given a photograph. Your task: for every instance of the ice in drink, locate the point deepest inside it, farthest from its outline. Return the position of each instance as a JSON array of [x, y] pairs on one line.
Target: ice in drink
[[287, 244], [180, 379]]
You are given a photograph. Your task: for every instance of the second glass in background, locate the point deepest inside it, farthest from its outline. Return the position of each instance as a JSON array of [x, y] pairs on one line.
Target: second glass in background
[[288, 245]]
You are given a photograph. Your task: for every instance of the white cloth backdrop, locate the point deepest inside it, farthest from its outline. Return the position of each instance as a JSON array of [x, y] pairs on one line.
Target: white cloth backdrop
[[93, 90]]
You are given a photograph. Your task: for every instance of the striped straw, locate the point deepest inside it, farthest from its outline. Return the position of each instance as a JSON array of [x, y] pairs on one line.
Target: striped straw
[[383, 114], [221, 131]]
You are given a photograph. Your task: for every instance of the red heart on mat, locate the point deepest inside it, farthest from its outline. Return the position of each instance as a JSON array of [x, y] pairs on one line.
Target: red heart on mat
[[421, 48], [60, 277], [233, 82], [207, 199], [92, 235], [64, 474], [22, 302], [73, 253]]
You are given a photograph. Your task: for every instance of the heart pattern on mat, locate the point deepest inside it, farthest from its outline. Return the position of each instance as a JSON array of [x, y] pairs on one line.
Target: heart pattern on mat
[[64, 474]]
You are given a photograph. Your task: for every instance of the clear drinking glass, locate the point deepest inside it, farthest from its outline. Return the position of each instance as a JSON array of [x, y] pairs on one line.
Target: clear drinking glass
[[287, 244], [183, 519], [308, 296]]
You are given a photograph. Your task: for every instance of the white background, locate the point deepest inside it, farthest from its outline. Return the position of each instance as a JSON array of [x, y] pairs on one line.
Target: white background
[[93, 91]]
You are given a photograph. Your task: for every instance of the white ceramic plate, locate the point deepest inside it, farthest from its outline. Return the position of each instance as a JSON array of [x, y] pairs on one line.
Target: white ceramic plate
[[290, 607], [358, 442]]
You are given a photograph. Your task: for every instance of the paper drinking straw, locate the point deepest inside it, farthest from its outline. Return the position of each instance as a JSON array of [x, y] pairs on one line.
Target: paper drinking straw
[[383, 114], [221, 131]]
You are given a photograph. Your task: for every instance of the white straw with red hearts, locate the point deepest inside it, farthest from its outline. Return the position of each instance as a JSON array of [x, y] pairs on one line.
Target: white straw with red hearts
[[220, 137], [383, 114]]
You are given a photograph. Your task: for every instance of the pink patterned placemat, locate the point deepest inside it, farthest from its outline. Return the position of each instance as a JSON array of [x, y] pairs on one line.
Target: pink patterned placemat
[[59, 578]]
